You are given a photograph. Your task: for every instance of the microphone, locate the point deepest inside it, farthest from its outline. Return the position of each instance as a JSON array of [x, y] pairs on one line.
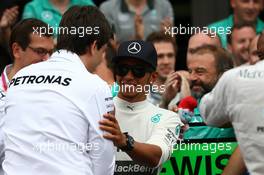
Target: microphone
[[186, 108]]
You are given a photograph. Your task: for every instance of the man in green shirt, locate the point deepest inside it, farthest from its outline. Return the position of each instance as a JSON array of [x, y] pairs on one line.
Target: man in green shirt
[[50, 11], [206, 64], [243, 12]]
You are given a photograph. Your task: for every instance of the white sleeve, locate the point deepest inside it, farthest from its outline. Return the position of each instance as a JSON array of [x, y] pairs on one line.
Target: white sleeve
[[103, 153], [2, 146], [214, 105], [166, 134]]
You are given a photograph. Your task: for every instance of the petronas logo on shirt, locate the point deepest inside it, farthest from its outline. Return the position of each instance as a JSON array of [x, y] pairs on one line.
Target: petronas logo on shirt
[[155, 118]]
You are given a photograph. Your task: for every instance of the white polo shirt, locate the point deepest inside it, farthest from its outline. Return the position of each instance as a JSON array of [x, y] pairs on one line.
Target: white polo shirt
[[3, 88], [149, 124], [238, 97], [51, 123]]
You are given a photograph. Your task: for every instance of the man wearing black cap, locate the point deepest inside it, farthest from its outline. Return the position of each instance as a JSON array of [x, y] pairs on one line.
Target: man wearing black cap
[[143, 133]]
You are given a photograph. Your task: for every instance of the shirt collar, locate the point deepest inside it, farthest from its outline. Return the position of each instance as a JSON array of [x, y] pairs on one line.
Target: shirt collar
[[48, 6], [4, 77], [259, 26], [125, 9], [130, 107], [230, 20], [67, 55]]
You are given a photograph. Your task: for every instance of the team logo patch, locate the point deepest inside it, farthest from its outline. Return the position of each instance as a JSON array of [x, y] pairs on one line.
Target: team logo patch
[[177, 130], [47, 15], [155, 118], [134, 48]]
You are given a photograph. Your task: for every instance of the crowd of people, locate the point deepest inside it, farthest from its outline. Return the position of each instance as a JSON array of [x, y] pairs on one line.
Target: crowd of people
[[109, 99]]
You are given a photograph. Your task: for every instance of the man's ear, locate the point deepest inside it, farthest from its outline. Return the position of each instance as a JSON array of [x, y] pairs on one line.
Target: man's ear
[[93, 47], [16, 49], [233, 3], [229, 48], [153, 77]]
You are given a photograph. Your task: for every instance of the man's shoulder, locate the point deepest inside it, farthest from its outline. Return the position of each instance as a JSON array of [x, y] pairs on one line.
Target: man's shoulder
[[35, 4], [249, 72], [97, 82], [244, 71], [32, 9], [82, 2], [259, 26], [162, 112], [232, 74], [226, 22], [110, 5], [164, 3]]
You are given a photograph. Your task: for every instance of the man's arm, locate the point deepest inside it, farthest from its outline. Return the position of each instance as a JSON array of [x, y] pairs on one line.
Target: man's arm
[[156, 150], [236, 164], [102, 152], [6, 21], [172, 87], [214, 105], [146, 154], [2, 146]]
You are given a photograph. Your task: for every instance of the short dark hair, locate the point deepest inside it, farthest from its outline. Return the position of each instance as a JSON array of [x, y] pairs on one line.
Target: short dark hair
[[109, 54], [223, 59], [22, 31], [260, 47], [238, 26], [160, 36], [86, 17]]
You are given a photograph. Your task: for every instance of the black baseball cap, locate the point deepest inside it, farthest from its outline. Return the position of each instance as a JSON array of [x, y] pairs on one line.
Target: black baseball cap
[[137, 49]]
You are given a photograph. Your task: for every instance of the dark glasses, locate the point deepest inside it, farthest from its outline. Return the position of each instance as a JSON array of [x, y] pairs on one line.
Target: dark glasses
[[138, 71]]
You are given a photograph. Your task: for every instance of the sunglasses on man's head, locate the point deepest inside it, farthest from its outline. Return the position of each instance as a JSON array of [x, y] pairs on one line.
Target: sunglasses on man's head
[[138, 71]]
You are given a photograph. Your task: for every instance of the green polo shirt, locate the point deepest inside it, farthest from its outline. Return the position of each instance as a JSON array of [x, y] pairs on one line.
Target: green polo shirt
[[44, 10], [229, 22]]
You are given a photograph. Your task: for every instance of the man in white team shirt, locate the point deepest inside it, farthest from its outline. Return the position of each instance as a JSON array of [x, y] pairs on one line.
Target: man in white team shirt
[[238, 99], [25, 49], [53, 107], [149, 131]]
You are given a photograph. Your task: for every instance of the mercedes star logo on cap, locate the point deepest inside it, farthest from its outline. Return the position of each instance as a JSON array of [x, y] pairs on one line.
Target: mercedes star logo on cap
[[134, 48]]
